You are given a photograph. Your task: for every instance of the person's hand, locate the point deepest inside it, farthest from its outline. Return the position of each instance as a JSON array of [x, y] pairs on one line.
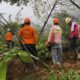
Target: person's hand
[[47, 44]]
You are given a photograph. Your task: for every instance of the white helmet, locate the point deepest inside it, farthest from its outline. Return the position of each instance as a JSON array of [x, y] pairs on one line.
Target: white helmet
[[67, 20]]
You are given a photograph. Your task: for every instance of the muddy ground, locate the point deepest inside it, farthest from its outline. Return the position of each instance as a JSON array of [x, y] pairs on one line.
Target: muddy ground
[[22, 71]]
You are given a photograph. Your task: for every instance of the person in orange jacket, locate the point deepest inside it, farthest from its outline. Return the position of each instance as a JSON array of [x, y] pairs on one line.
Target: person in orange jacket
[[29, 36], [8, 38]]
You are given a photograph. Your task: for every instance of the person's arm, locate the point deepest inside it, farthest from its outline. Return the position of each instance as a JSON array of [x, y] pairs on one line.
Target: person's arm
[[51, 36], [5, 36], [76, 32], [11, 35], [20, 36], [35, 36], [20, 32]]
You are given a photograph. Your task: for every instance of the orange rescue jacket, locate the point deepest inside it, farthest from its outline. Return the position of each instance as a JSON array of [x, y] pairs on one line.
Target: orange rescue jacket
[[28, 35], [8, 36]]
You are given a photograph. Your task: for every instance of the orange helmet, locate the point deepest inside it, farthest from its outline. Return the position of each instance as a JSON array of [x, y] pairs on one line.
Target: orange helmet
[[55, 20], [26, 20]]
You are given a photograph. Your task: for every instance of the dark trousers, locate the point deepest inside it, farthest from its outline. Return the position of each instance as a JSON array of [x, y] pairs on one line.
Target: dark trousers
[[10, 44], [30, 47], [73, 46], [73, 43]]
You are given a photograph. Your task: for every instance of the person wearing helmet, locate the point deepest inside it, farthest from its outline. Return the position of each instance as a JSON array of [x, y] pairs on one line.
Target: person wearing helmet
[[8, 38], [73, 35], [29, 36], [54, 40]]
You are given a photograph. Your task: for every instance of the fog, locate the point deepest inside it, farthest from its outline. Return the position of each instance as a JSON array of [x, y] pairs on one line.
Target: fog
[[13, 10]]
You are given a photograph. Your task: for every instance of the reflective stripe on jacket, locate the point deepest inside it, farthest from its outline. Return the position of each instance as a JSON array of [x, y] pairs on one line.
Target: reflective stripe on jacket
[[28, 34]]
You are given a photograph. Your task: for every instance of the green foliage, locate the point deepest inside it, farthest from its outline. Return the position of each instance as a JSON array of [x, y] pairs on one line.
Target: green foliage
[[62, 75], [52, 77], [7, 56], [70, 75], [1, 46], [3, 69], [41, 47], [57, 75], [3, 65], [24, 56], [14, 26]]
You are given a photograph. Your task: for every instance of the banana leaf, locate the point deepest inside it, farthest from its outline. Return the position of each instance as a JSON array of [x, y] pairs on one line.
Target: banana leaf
[[8, 56], [24, 57], [3, 66], [3, 70]]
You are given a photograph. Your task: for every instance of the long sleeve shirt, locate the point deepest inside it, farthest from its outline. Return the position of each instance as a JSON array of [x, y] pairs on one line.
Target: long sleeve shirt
[[28, 34]]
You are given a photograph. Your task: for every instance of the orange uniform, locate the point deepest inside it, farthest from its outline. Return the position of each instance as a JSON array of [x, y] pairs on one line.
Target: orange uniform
[[28, 35], [8, 36]]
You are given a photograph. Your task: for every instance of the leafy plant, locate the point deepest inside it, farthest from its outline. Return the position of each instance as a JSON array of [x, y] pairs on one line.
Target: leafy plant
[[7, 56]]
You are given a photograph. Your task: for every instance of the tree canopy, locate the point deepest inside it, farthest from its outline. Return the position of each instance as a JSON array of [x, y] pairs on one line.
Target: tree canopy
[[18, 2], [42, 8], [24, 2]]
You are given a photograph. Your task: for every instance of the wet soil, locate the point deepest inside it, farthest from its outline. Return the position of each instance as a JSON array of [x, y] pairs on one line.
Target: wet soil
[[25, 71]]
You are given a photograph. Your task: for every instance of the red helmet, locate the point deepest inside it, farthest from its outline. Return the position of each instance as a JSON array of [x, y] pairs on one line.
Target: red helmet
[[26, 20], [55, 20]]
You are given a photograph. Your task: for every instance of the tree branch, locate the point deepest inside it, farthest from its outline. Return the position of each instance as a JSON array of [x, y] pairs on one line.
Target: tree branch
[[49, 16], [75, 4]]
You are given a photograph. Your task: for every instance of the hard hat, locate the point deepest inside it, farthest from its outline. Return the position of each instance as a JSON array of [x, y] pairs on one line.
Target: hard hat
[[8, 29], [67, 20], [26, 20], [55, 20]]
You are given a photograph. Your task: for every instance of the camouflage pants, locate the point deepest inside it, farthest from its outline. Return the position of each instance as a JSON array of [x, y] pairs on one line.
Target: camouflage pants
[[56, 52]]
